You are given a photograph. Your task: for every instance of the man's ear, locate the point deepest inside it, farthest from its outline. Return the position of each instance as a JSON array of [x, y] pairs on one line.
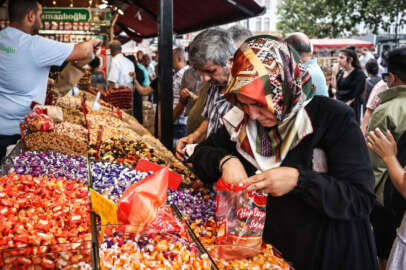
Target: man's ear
[[230, 61], [30, 17]]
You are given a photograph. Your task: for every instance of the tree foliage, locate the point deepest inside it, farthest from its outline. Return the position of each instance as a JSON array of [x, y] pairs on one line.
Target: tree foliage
[[330, 18], [379, 15]]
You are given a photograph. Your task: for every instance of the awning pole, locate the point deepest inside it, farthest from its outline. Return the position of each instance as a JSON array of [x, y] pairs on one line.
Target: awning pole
[[165, 106]]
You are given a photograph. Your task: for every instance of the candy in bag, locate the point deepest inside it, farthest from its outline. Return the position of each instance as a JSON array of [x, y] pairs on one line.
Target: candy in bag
[[38, 120], [142, 205], [240, 221]]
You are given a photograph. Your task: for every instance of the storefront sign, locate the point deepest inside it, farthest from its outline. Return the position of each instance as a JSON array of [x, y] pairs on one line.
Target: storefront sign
[[66, 14]]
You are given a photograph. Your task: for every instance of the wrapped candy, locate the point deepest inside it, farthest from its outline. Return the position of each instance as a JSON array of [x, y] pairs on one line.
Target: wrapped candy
[[111, 180], [158, 251], [196, 206], [43, 221], [59, 165]]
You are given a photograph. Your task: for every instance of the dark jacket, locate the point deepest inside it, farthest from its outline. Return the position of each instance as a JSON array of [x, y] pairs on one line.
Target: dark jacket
[[351, 87], [323, 223], [137, 98]]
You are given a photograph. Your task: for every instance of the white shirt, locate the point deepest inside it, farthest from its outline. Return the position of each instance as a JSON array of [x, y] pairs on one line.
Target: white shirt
[[120, 68], [177, 80], [151, 71], [25, 61], [363, 60]]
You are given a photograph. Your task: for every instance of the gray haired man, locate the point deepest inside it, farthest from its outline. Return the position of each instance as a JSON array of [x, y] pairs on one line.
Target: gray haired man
[[211, 54]]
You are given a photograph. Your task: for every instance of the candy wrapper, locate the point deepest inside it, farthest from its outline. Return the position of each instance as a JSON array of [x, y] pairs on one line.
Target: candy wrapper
[[142, 205], [54, 112], [38, 120], [240, 221]]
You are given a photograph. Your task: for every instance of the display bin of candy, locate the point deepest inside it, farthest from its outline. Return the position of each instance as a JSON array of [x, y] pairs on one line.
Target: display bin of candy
[[59, 256], [7, 162], [265, 258], [124, 250], [44, 222]]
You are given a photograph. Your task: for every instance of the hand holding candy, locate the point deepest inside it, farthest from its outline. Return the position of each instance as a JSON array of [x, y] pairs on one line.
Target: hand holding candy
[[276, 182], [233, 172]]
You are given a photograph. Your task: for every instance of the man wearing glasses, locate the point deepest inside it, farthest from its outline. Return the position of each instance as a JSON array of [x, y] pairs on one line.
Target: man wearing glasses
[[389, 115]]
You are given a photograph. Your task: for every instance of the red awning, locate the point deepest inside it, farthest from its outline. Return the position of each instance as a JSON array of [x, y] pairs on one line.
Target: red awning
[[338, 43], [189, 15]]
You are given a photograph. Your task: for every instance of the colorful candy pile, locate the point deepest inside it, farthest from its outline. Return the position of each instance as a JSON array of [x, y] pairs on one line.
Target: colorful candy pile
[[111, 180], [129, 152], [59, 165], [44, 221], [161, 251], [195, 206], [268, 258]]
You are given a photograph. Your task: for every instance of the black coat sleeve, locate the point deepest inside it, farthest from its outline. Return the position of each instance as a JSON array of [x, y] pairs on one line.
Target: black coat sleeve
[[207, 155], [346, 190]]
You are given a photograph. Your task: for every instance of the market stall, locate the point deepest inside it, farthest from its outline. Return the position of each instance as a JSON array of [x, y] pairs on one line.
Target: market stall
[[71, 156]]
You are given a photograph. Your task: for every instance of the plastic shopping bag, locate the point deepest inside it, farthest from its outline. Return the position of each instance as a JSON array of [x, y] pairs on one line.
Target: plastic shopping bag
[[142, 205], [38, 120], [240, 221]]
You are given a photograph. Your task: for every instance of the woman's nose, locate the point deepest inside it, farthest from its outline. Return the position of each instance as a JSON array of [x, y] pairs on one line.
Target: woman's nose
[[253, 113]]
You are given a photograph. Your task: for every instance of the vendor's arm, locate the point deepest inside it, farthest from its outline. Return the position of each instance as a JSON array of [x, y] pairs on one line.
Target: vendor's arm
[[84, 50]]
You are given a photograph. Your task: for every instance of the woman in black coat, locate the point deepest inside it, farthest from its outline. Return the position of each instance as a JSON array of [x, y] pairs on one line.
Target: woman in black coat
[[307, 153], [351, 81]]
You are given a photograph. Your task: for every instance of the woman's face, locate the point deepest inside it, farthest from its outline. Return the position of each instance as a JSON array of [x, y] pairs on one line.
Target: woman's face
[[342, 59], [257, 111]]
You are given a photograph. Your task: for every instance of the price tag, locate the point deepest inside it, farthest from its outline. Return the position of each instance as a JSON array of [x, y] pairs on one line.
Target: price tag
[[99, 141], [119, 113], [84, 109]]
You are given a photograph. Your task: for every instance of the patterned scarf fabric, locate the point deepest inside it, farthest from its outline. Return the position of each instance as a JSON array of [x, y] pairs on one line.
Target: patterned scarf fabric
[[266, 70]]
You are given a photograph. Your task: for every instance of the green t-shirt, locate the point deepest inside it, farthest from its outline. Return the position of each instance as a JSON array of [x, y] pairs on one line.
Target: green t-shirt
[[390, 114]]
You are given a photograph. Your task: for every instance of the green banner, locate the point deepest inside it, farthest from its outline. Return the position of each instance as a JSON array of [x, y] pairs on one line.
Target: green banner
[[66, 14]]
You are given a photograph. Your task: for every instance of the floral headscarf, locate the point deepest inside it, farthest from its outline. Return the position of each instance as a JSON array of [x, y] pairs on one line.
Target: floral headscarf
[[268, 71]]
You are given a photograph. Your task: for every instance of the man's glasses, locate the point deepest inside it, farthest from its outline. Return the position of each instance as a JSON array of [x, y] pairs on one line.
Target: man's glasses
[[385, 77]]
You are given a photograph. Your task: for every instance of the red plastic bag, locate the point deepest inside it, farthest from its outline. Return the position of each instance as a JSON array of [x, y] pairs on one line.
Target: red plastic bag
[[165, 222], [142, 205], [240, 221], [38, 120]]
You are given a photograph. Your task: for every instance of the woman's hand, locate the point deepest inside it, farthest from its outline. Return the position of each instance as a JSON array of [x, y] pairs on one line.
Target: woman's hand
[[233, 172], [384, 146], [276, 182], [349, 102]]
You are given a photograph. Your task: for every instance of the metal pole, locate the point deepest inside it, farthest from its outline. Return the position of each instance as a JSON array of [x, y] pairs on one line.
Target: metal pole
[[165, 106]]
